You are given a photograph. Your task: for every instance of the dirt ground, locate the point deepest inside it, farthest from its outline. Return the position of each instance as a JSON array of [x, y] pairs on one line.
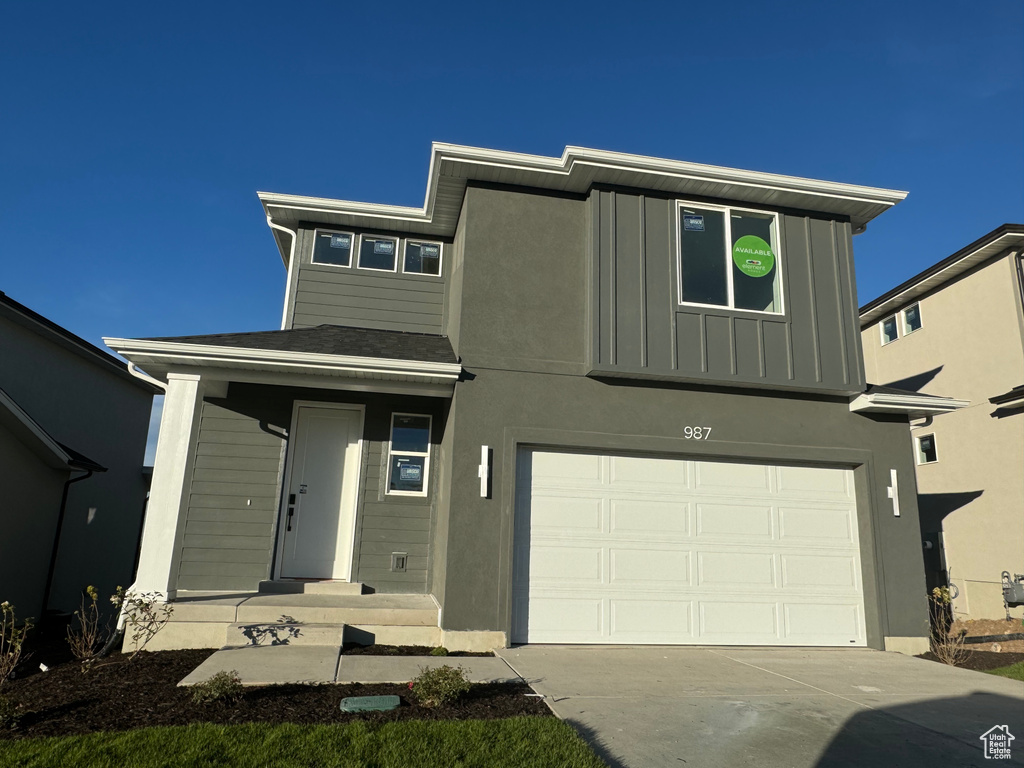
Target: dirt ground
[[983, 627]]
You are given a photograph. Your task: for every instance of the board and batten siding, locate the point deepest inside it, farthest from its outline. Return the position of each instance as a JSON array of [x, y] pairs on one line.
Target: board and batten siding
[[231, 519], [639, 329], [333, 295]]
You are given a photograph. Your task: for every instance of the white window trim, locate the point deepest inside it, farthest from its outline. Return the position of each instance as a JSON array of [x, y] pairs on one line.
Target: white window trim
[[920, 453], [726, 210], [426, 456], [903, 318], [359, 252], [351, 249], [881, 329], [440, 255]]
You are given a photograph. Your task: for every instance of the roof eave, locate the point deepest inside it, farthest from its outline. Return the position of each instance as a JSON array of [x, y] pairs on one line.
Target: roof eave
[[913, 405]]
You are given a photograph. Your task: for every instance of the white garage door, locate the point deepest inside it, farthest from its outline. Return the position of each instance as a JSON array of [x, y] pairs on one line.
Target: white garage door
[[620, 549]]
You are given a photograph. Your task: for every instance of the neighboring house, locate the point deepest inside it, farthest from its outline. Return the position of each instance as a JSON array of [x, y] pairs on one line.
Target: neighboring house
[[73, 425], [958, 329], [600, 398]]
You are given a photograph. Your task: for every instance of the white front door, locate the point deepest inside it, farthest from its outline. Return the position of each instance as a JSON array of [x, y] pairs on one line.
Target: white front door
[[320, 500], [636, 549]]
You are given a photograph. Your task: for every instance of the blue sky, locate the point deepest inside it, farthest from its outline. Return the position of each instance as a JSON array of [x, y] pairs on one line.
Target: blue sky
[[133, 137]]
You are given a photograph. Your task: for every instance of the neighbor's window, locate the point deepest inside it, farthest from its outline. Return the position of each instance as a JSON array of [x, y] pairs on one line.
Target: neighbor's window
[[926, 449], [911, 318], [409, 454], [422, 258], [728, 257], [377, 253], [332, 248], [888, 330]]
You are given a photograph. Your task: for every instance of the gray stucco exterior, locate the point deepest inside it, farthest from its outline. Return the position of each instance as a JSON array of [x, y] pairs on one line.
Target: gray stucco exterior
[[563, 311]]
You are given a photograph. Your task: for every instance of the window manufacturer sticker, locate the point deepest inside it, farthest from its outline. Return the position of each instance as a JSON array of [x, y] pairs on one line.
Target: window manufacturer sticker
[[385, 247], [693, 222], [753, 256], [410, 472], [341, 241], [428, 250]]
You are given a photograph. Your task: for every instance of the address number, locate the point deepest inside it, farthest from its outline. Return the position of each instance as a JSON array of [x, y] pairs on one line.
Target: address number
[[696, 433]]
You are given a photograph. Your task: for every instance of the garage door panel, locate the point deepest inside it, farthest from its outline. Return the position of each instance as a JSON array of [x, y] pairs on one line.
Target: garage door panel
[[649, 567], [817, 482], [807, 622], [566, 619], [815, 571], [817, 525], [626, 549], [559, 564], [649, 516], [747, 521], [650, 621], [567, 514], [720, 621], [648, 473], [721, 476], [736, 570]]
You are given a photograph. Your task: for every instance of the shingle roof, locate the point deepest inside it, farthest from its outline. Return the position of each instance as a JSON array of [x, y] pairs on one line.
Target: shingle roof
[[334, 340]]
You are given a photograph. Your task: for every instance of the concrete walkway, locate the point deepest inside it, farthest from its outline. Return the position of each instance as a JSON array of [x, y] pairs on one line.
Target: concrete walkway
[[269, 664], [732, 707]]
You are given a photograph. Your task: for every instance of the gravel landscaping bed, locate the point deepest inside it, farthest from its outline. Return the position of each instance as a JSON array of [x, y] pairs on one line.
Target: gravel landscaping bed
[[117, 696]]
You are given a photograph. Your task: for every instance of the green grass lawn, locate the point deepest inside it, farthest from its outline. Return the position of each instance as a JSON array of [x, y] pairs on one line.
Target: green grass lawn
[[1014, 671], [518, 741]]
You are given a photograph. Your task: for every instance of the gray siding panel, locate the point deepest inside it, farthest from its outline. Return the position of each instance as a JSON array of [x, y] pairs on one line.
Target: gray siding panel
[[332, 295], [812, 347]]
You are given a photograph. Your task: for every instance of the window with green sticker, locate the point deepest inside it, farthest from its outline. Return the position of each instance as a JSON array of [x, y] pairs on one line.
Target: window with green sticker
[[728, 257]]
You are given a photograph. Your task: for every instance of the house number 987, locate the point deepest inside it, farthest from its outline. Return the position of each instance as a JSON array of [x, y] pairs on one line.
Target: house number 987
[[696, 433]]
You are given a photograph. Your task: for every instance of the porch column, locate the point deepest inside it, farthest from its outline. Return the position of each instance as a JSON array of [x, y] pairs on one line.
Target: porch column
[[168, 496]]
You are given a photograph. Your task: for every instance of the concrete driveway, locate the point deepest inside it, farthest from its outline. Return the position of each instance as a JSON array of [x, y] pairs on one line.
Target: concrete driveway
[[729, 707]]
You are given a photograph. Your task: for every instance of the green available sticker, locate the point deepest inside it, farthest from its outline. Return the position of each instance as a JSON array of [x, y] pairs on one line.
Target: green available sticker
[[753, 256]]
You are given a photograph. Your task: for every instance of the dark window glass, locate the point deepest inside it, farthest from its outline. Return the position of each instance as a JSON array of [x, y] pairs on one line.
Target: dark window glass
[[333, 248], [912, 316], [702, 267], [889, 329], [755, 267], [927, 449], [422, 258], [410, 434], [377, 253], [408, 473]]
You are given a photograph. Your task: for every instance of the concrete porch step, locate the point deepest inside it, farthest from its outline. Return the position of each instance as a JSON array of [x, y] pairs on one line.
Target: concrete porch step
[[387, 610], [285, 633], [297, 587]]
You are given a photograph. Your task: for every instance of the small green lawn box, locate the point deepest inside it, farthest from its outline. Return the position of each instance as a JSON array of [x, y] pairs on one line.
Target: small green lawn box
[[370, 703]]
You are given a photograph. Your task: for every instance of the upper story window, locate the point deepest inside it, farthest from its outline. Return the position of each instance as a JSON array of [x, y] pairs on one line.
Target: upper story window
[[332, 247], [889, 332], [911, 318], [926, 450], [378, 253], [409, 454], [422, 258], [728, 257]]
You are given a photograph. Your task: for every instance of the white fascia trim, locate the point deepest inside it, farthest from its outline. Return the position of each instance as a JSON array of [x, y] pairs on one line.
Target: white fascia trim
[[191, 354], [563, 166], [917, 404], [51, 445]]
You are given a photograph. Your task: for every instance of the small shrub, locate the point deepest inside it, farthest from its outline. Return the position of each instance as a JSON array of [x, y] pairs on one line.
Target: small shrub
[[144, 616], [10, 714], [88, 638], [225, 687], [439, 651], [12, 639], [434, 687], [947, 644]]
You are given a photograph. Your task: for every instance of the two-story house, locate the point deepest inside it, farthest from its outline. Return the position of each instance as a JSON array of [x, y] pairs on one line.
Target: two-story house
[[595, 398], [957, 328]]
